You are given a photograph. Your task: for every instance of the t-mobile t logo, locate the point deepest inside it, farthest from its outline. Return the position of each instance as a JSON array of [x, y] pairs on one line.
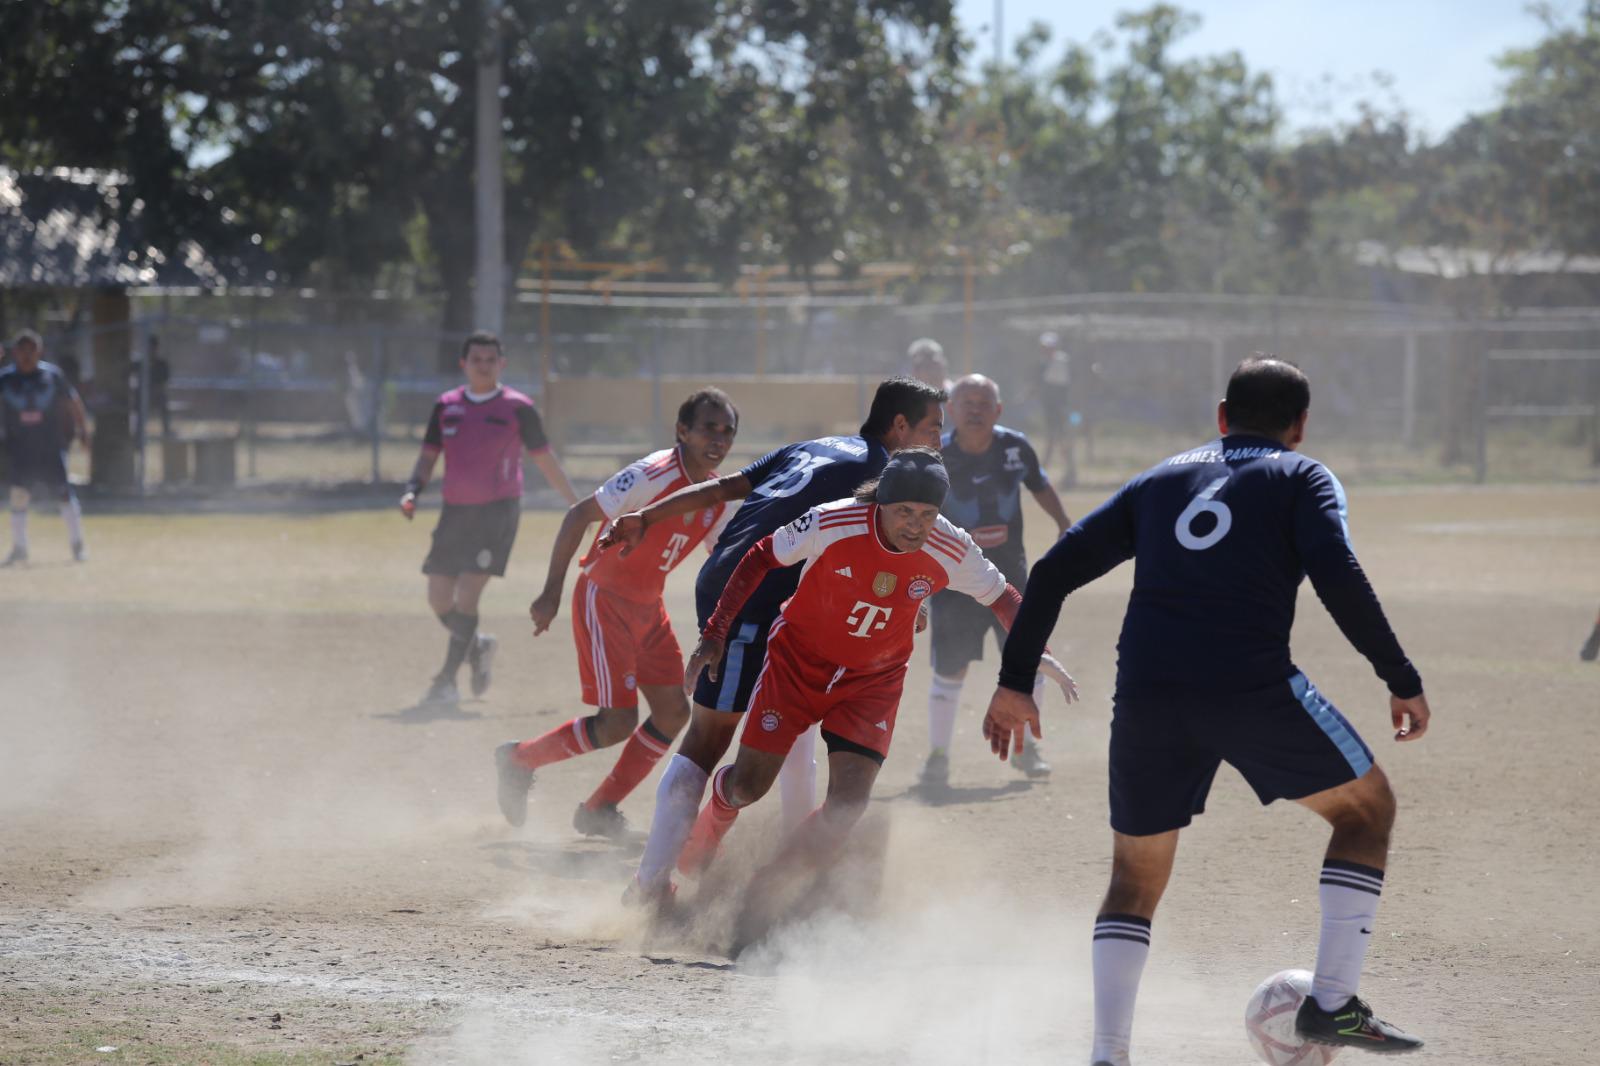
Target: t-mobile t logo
[[868, 618]]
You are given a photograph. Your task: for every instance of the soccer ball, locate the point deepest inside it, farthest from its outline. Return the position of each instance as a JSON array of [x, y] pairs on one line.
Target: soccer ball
[[1269, 1022]]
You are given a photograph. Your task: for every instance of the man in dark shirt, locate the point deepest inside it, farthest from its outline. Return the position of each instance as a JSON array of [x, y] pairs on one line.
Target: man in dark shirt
[[989, 466], [1222, 536], [776, 489], [40, 414]]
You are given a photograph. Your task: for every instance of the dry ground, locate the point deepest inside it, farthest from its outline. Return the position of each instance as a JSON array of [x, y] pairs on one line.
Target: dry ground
[[226, 836]]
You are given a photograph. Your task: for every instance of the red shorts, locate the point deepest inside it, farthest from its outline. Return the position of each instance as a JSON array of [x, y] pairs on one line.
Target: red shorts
[[621, 645], [796, 690]]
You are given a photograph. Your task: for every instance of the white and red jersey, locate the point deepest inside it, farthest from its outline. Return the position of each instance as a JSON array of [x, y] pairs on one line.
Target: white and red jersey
[[640, 575], [857, 602]]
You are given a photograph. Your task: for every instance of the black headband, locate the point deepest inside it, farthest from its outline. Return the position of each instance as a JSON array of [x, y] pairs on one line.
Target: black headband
[[914, 477]]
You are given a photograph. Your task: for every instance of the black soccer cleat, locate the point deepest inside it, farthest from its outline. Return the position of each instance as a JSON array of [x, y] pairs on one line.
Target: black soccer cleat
[[1591, 647], [480, 659], [604, 821], [513, 784], [934, 780], [18, 557], [1028, 759], [1352, 1025]]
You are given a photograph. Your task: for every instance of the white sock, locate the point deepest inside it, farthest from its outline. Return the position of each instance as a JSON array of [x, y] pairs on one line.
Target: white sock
[[72, 511], [1350, 893], [19, 519], [797, 780], [1121, 944], [677, 805], [944, 700]]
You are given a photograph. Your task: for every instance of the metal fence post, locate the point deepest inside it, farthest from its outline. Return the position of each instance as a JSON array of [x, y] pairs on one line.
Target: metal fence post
[[1480, 459], [374, 400], [1408, 392]]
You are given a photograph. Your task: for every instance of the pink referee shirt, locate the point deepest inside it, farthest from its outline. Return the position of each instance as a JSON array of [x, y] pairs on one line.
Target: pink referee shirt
[[483, 441]]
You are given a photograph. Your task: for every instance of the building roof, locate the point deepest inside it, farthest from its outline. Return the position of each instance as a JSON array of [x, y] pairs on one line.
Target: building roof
[[68, 229]]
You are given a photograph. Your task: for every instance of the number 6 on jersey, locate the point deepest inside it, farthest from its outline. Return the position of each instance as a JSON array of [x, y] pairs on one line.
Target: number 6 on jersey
[[1201, 504]]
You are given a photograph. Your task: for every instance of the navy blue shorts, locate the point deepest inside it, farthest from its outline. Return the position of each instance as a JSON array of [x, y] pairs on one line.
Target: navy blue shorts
[[34, 469], [1287, 741], [740, 666]]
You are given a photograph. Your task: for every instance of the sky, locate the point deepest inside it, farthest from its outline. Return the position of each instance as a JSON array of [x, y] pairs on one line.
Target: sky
[[1323, 56]]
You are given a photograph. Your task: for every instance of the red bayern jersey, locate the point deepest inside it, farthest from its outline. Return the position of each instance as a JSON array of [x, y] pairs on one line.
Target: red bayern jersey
[[858, 598], [640, 575]]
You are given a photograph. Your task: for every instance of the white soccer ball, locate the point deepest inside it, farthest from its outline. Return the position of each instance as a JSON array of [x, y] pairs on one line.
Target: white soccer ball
[[1269, 1022]]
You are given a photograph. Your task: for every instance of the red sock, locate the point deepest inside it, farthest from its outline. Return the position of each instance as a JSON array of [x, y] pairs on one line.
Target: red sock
[[705, 840], [562, 742], [639, 756]]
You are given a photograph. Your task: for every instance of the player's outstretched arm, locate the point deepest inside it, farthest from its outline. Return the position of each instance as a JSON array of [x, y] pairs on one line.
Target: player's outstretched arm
[[1005, 609], [421, 474], [545, 459], [1410, 716], [628, 530], [80, 420], [574, 525], [1010, 715]]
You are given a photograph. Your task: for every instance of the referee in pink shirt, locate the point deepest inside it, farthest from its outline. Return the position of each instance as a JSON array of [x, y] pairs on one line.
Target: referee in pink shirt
[[482, 428]]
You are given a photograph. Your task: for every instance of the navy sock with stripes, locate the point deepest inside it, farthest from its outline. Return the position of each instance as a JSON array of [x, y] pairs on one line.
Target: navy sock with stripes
[[1350, 893], [1121, 945]]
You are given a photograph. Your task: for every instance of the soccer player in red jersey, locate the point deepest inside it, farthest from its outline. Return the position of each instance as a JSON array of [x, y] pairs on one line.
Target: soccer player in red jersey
[[838, 654], [624, 637], [481, 428]]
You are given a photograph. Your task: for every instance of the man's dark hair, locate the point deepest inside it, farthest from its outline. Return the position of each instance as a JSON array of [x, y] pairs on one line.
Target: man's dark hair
[[481, 336], [689, 407], [899, 396], [1266, 395]]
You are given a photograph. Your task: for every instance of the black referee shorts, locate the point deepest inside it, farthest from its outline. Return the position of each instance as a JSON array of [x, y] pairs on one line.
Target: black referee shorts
[[474, 538]]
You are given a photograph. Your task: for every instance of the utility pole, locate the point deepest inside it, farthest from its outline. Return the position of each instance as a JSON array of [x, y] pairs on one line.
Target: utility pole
[[489, 291], [999, 32]]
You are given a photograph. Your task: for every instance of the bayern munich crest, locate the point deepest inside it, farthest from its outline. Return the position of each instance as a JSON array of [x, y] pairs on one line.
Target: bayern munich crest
[[769, 721], [919, 588]]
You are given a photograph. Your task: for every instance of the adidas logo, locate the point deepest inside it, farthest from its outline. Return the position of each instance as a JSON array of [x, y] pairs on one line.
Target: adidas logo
[[884, 726], [844, 572]]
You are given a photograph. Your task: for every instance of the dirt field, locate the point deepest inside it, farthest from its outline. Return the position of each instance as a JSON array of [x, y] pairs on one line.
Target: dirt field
[[226, 835]]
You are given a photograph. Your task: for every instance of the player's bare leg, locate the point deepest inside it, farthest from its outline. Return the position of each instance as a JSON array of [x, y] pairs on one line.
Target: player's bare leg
[[1361, 813], [1141, 866], [678, 797], [646, 743], [810, 850]]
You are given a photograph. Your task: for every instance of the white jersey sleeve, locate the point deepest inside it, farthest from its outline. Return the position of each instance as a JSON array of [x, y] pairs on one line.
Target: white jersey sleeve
[[799, 540], [971, 573], [630, 488]]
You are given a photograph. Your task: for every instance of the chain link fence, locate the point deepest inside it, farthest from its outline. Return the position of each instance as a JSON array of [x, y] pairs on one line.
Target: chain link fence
[[286, 392]]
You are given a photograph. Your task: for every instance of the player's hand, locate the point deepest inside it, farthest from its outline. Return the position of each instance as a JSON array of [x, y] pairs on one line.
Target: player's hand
[[922, 616], [1415, 709], [1009, 714], [408, 505], [1051, 667], [626, 532], [543, 610], [707, 654]]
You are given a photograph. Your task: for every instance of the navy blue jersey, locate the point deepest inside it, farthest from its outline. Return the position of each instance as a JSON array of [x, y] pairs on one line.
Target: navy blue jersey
[[986, 495], [36, 412], [1222, 536], [784, 484]]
